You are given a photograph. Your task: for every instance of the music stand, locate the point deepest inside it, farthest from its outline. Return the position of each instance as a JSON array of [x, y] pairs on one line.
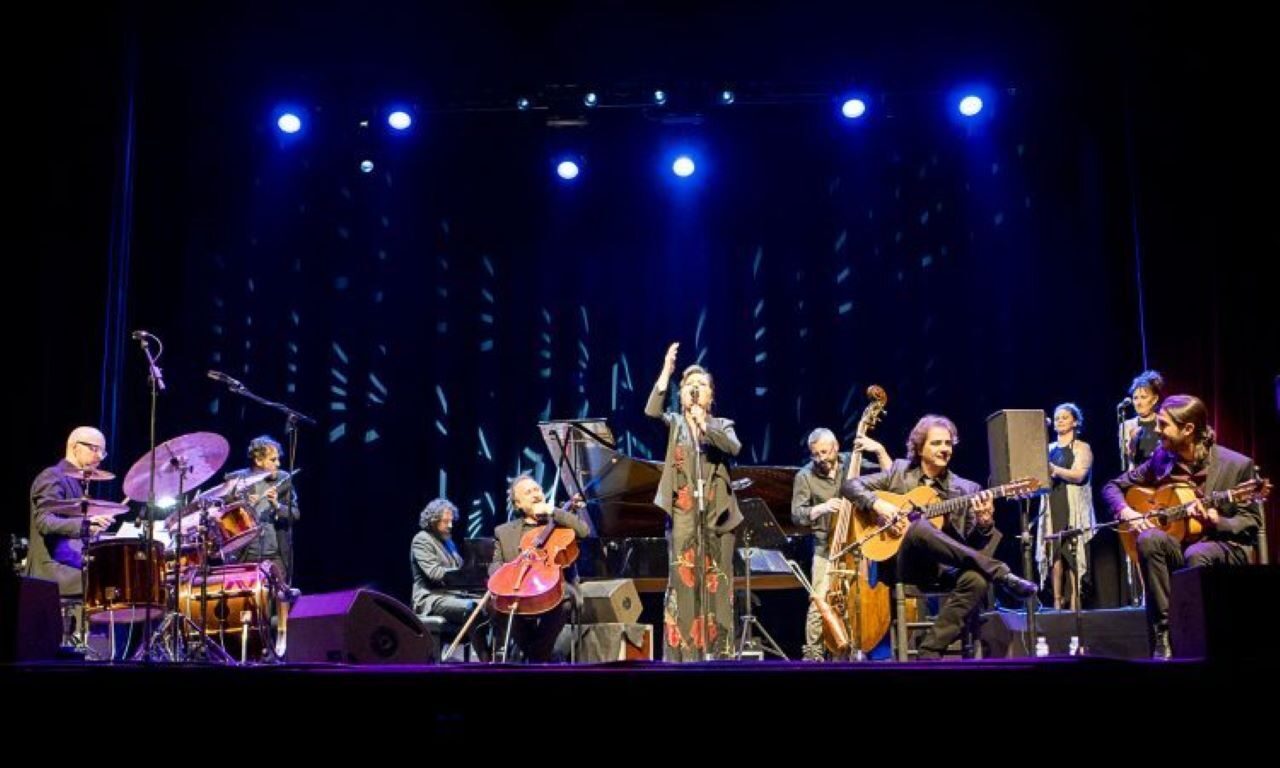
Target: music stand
[[761, 536], [568, 441]]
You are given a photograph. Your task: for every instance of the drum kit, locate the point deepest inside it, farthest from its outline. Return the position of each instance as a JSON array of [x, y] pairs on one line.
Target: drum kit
[[208, 606]]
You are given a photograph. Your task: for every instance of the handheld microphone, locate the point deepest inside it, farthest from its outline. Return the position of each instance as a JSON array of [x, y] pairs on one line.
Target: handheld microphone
[[156, 375]]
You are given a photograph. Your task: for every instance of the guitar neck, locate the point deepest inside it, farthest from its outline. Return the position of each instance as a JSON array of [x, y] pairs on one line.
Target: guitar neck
[[1182, 510], [960, 503]]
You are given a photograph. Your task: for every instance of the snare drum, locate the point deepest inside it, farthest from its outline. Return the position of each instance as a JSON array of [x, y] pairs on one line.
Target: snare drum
[[231, 528], [244, 610], [237, 527], [121, 584]]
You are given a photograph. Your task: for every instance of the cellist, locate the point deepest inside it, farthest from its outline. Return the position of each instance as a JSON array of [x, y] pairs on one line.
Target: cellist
[[535, 635]]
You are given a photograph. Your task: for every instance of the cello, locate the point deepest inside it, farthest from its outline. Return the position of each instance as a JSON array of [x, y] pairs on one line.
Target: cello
[[533, 582]]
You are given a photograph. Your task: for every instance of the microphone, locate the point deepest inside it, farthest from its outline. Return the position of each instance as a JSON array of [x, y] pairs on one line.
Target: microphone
[[156, 375], [1125, 403], [225, 379]]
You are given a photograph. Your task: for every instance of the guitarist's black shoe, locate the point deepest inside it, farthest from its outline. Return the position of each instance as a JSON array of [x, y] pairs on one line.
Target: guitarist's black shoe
[[1017, 586]]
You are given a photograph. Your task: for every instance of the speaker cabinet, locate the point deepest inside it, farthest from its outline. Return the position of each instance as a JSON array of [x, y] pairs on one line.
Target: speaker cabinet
[[358, 626]]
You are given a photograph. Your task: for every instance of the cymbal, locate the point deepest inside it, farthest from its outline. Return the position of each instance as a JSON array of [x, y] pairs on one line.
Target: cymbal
[[224, 489], [182, 463], [92, 475], [96, 507]]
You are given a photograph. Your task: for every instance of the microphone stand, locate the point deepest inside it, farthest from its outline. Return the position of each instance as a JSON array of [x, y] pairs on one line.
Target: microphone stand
[[156, 382], [699, 569], [1135, 596], [1075, 537]]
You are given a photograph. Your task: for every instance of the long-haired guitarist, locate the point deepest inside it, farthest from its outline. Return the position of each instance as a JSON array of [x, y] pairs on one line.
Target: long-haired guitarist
[[1188, 455], [959, 556]]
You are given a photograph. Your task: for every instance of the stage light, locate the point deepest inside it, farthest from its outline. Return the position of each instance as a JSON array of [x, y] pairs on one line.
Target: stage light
[[970, 106], [289, 123], [683, 166], [399, 120], [567, 170], [853, 108]]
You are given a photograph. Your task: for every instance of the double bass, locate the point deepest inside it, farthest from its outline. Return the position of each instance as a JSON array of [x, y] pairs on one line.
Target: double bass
[[863, 608]]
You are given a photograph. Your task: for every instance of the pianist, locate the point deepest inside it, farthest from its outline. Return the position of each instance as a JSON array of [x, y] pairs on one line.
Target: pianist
[[438, 571]]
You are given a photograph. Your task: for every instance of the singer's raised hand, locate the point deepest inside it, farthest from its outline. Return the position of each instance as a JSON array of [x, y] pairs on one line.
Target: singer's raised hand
[[668, 365]]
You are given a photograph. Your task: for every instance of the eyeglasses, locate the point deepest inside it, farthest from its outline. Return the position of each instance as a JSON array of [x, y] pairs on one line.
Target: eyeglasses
[[98, 449]]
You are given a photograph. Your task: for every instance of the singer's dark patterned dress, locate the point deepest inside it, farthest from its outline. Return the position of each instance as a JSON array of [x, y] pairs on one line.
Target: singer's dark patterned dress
[[690, 634]]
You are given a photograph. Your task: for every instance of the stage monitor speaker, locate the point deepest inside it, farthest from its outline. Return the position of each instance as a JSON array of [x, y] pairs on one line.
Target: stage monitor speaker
[[603, 643], [1017, 446], [1221, 614], [614, 601], [30, 620], [358, 626]]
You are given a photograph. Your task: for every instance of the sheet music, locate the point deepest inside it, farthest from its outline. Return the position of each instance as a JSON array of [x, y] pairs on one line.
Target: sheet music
[[132, 531], [765, 560]]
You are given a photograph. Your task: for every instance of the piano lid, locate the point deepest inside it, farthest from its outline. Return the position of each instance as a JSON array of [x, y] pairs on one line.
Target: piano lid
[[621, 489]]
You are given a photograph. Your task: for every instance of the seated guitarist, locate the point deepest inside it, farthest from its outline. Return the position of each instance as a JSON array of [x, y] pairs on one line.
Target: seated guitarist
[[1189, 455], [535, 636], [959, 555]]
